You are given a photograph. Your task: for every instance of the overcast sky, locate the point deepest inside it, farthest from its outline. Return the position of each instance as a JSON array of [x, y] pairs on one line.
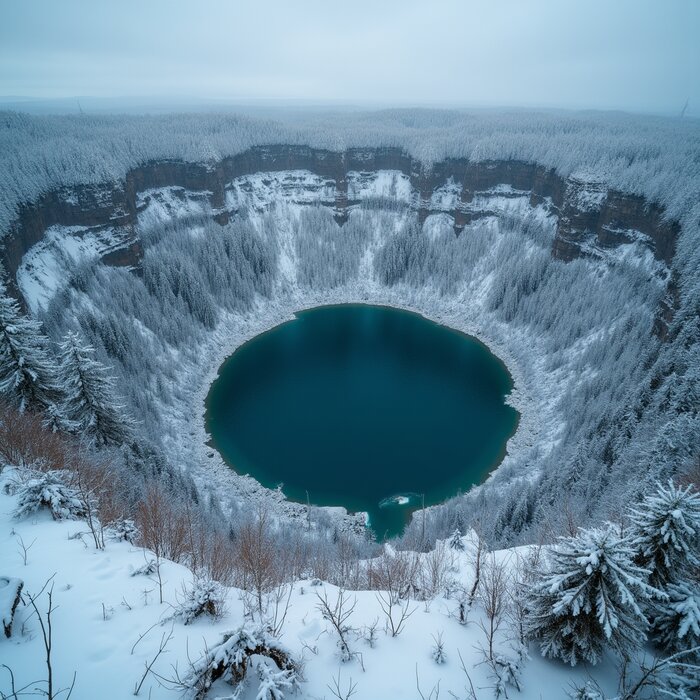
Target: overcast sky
[[635, 55]]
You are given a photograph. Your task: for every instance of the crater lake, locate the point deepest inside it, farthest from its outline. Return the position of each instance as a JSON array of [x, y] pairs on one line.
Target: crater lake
[[368, 407]]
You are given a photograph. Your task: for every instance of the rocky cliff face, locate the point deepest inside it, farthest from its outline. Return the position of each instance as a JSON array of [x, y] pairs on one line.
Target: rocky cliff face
[[590, 217]]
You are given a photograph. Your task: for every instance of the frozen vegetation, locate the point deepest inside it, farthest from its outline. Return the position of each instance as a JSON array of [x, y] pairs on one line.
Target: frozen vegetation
[[652, 156], [461, 621], [578, 337], [104, 374]]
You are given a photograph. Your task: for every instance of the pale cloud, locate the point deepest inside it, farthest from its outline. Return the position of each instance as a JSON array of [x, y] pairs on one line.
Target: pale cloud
[[629, 54]]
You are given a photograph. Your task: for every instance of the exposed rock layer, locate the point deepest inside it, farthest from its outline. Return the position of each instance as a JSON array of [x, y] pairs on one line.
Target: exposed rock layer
[[590, 217]]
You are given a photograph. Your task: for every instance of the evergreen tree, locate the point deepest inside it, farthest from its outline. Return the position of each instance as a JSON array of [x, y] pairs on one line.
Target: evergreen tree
[[56, 421], [456, 541], [588, 598], [27, 374], [90, 400], [666, 532], [676, 622]]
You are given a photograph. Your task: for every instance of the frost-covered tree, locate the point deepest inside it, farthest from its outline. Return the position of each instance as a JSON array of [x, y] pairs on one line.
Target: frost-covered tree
[[456, 541], [205, 597], [230, 659], [27, 373], [676, 622], [124, 530], [666, 535], [89, 395], [666, 532], [51, 491], [589, 598], [55, 420]]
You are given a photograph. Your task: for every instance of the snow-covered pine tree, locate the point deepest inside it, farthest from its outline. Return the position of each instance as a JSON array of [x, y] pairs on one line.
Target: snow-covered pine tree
[[56, 421], [588, 598], [666, 532], [205, 597], [50, 490], [89, 395], [456, 541], [676, 622], [28, 377], [232, 657]]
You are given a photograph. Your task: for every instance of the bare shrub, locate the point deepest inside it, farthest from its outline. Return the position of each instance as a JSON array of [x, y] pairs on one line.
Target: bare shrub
[[394, 572], [163, 529], [369, 633], [23, 549], [322, 564], [338, 614], [162, 525], [395, 611], [220, 558], [476, 557], [196, 539], [347, 571], [395, 575], [258, 562], [25, 441], [148, 665], [433, 572], [293, 554], [338, 691], [46, 625], [95, 481], [493, 592], [434, 693]]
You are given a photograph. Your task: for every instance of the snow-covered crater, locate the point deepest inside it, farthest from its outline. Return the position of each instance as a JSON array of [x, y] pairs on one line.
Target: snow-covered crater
[[492, 276]]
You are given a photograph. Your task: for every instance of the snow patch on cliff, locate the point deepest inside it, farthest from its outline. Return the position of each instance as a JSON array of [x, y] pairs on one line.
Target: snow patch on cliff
[[170, 204], [447, 196], [392, 184], [292, 186], [46, 267]]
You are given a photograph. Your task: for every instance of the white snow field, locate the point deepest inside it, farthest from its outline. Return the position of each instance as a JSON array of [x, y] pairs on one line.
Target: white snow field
[[108, 625]]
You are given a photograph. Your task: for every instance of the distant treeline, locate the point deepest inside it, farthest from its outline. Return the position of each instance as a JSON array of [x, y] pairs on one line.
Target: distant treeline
[[652, 156]]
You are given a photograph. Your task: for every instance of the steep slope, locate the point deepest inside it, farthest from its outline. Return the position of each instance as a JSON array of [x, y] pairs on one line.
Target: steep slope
[[103, 219]]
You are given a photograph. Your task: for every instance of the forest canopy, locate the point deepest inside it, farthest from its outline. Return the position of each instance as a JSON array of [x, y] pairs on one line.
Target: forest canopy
[[656, 157]]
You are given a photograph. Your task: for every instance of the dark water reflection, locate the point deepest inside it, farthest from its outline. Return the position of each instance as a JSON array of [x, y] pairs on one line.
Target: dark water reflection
[[357, 404]]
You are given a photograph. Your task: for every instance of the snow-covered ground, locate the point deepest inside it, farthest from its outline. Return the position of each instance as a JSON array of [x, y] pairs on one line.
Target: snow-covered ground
[[108, 625]]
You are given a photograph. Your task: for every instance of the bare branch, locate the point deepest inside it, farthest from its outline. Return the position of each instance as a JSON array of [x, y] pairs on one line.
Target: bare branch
[[337, 692], [164, 641]]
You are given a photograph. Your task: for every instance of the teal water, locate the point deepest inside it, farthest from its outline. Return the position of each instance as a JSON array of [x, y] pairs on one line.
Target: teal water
[[361, 405]]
